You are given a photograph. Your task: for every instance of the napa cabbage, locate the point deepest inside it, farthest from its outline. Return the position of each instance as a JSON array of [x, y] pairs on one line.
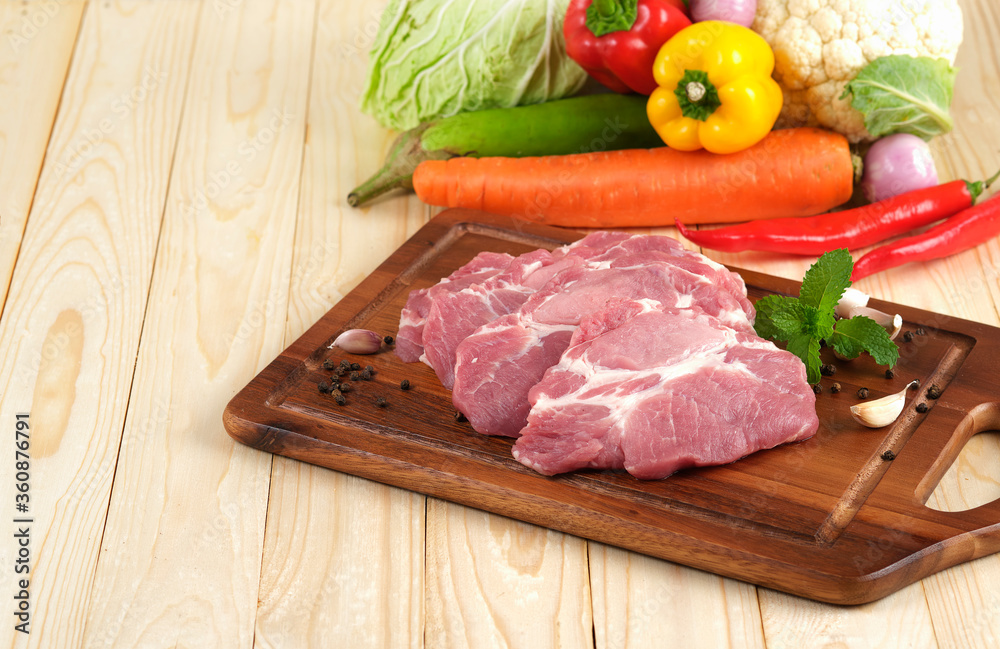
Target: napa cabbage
[[435, 58]]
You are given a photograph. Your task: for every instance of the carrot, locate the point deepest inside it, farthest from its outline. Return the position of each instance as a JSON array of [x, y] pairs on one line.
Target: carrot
[[791, 172]]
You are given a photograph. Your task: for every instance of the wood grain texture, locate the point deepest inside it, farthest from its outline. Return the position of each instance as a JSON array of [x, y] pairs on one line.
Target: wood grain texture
[[343, 562], [93, 96], [494, 583], [640, 601], [35, 52], [186, 571], [78, 293], [343, 557]]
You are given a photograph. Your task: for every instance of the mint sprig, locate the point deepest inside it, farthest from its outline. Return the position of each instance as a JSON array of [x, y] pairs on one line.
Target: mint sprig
[[806, 322]]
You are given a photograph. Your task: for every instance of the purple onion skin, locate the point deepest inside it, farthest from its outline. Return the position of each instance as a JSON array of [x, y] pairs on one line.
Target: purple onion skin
[[896, 164], [740, 12]]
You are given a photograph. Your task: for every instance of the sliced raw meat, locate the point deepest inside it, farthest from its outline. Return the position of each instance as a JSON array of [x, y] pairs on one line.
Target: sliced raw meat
[[497, 365], [453, 316], [654, 390], [409, 337]]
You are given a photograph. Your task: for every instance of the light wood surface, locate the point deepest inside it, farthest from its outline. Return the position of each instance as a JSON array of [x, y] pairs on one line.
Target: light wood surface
[[143, 289]]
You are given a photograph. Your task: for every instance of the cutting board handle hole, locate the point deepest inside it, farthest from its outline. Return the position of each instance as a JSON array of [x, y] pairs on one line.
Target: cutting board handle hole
[[973, 479]]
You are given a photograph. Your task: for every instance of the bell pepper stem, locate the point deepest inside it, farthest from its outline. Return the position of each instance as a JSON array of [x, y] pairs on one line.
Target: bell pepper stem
[[607, 16], [697, 95]]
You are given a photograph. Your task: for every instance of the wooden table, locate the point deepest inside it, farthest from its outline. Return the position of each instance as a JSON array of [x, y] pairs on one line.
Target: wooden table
[[172, 215]]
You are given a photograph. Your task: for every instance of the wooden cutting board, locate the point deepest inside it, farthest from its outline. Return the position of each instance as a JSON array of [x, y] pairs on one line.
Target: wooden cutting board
[[837, 518]]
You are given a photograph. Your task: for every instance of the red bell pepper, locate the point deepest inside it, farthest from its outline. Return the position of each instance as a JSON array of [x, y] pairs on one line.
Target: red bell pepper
[[615, 41]]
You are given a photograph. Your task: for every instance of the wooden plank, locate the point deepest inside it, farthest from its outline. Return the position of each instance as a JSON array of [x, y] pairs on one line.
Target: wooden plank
[[640, 601], [79, 290], [35, 52], [495, 582], [362, 584], [182, 547], [899, 620], [343, 562]]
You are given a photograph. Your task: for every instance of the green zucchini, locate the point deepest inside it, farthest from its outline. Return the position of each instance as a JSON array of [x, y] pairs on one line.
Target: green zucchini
[[576, 125]]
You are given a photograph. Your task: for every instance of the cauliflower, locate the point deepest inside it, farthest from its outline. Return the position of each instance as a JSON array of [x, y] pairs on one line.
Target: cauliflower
[[820, 45]]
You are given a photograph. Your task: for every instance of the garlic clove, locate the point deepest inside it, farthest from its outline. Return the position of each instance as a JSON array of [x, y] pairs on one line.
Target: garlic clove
[[881, 412], [891, 323], [358, 341], [851, 299]]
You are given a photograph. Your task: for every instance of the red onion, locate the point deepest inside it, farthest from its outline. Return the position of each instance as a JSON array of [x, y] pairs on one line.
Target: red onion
[[896, 164], [740, 12]]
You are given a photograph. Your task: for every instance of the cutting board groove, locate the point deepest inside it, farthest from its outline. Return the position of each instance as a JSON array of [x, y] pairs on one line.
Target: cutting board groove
[[827, 518]]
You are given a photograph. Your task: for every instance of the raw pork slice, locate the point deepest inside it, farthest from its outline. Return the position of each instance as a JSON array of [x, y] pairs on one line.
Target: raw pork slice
[[453, 316], [654, 390], [497, 365], [409, 338]]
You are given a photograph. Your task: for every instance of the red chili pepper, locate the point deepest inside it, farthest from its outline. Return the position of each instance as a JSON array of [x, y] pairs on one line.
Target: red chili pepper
[[965, 230], [615, 41], [852, 229]]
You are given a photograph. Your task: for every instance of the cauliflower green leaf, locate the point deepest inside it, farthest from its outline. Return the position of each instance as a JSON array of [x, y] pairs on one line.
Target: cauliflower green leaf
[[904, 94]]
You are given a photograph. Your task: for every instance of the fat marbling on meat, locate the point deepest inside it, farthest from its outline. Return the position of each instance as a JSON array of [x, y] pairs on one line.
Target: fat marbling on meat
[[654, 390]]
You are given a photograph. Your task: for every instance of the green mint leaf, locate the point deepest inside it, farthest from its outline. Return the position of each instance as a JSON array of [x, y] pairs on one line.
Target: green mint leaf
[[823, 285], [862, 334], [795, 317], [806, 347], [767, 307], [904, 94]]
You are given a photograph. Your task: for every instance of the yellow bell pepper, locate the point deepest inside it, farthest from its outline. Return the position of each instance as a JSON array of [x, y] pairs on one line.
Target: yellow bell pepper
[[715, 89]]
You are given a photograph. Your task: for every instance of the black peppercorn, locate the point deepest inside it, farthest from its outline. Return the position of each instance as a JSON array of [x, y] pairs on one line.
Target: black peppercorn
[[933, 392], [828, 370], [921, 331], [345, 387], [370, 368], [888, 456], [404, 384], [863, 393], [354, 376], [889, 374], [339, 398], [325, 387], [459, 417], [922, 407], [381, 402], [366, 375], [907, 336], [346, 364], [817, 388], [835, 388], [355, 367], [328, 364], [388, 340]]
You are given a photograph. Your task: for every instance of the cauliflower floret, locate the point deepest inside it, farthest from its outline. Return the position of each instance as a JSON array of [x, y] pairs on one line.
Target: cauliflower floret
[[821, 45]]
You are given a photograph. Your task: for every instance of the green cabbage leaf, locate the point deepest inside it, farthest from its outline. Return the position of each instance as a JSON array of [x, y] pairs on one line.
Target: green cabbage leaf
[[435, 58]]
